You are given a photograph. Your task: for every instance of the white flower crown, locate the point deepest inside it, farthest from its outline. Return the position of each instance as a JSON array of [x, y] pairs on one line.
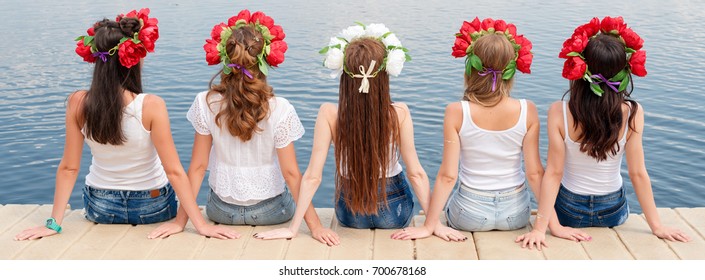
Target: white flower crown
[[335, 51]]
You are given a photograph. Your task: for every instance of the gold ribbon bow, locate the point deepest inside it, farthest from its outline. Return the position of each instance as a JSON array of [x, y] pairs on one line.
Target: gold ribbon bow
[[365, 85]]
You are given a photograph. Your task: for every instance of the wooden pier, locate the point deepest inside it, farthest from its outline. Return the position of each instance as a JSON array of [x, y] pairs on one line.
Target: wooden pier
[[84, 240]]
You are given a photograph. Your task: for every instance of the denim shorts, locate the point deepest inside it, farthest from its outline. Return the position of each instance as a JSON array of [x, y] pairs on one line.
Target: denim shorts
[[272, 211], [477, 210], [129, 207], [398, 214], [577, 211]]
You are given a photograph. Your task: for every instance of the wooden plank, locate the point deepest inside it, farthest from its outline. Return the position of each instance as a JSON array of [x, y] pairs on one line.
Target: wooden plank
[[641, 243], [386, 248], [695, 217], [500, 245], [355, 244], [562, 249], [304, 247], [693, 250], [605, 245], [258, 249], [13, 213], [74, 227], [35, 217], [182, 246], [434, 248], [96, 242], [134, 244]]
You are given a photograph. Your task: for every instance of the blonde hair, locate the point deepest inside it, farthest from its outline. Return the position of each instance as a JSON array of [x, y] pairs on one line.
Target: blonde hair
[[496, 52]]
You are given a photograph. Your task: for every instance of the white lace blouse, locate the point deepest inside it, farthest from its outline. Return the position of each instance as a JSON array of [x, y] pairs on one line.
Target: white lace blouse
[[245, 173]]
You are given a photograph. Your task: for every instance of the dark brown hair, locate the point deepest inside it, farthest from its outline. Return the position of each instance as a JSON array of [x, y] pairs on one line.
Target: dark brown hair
[[367, 131], [103, 103], [496, 52], [600, 117], [245, 101]]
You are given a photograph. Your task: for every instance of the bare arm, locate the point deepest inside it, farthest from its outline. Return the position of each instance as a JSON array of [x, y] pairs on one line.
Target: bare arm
[[642, 183], [157, 119], [322, 137], [414, 170], [67, 171]]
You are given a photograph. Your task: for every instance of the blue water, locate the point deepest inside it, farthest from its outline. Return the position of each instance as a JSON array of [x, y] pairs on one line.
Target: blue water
[[38, 69]]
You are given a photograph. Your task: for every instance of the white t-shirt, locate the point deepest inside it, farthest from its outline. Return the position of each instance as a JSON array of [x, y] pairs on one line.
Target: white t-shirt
[[245, 173]]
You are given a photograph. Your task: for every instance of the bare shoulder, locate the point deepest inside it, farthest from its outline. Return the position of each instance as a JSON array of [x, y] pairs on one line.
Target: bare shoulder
[[329, 111], [556, 109], [454, 110], [76, 98], [403, 111], [153, 100]]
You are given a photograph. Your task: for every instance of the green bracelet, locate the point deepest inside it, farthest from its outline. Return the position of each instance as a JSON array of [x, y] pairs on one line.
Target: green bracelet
[[51, 224]]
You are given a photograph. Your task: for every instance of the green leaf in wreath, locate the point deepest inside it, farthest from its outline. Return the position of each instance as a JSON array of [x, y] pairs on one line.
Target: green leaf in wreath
[[596, 89], [475, 62], [624, 83]]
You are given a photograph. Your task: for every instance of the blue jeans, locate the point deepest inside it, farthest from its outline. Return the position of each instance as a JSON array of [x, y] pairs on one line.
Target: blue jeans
[[577, 211], [129, 207], [397, 215], [272, 211], [477, 210]]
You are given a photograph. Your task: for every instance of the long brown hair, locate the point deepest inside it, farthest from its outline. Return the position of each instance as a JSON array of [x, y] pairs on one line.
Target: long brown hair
[[600, 117], [495, 51], [103, 103], [245, 100], [367, 131]]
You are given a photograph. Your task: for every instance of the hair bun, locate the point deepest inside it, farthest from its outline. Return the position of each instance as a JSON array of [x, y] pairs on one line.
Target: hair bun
[[129, 26]]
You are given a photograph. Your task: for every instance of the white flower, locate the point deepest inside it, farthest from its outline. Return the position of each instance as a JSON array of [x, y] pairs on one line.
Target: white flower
[[391, 40], [376, 30], [336, 41], [352, 32], [334, 59], [395, 62]]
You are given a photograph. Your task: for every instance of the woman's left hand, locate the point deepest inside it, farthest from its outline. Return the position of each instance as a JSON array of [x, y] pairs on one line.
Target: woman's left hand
[[165, 230], [279, 233], [411, 233], [671, 234], [325, 236], [34, 233]]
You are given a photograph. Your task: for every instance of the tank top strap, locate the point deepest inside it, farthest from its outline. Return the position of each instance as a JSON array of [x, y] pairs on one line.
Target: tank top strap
[[565, 123], [626, 127], [523, 113], [467, 116], [136, 106]]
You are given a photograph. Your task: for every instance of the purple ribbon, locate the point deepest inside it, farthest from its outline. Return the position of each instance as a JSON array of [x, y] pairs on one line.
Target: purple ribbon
[[103, 55], [243, 69], [487, 71], [606, 81]]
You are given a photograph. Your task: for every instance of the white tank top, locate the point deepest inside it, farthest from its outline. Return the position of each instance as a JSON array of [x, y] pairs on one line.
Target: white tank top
[[583, 174], [491, 160], [134, 165]]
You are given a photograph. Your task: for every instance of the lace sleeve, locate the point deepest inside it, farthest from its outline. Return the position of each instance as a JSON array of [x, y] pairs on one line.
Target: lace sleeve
[[197, 117], [289, 129]]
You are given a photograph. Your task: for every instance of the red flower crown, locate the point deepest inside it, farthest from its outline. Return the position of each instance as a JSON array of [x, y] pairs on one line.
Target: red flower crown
[[575, 67], [471, 31], [130, 49], [274, 46]]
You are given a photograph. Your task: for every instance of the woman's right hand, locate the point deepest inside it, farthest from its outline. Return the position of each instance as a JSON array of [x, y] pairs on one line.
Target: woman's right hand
[[166, 230], [34, 233], [535, 237], [216, 231], [279, 233]]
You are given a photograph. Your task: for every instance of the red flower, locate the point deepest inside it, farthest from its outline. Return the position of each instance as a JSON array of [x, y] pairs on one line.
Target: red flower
[[91, 31], [467, 28], [276, 53], [512, 29], [460, 47], [487, 23], [524, 63], [589, 29], [576, 43], [524, 43], [500, 25], [574, 68], [212, 54], [277, 32], [217, 30], [131, 53], [244, 15], [149, 35], [609, 24], [84, 51], [637, 63], [631, 39], [262, 19]]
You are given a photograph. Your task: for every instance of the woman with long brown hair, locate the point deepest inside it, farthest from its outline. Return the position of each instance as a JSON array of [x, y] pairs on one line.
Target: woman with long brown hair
[[250, 132], [368, 132], [590, 134], [135, 162]]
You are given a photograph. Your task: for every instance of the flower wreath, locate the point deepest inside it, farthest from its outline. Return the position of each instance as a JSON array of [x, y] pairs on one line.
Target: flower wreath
[[130, 49], [274, 46], [393, 61], [575, 67], [470, 32]]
